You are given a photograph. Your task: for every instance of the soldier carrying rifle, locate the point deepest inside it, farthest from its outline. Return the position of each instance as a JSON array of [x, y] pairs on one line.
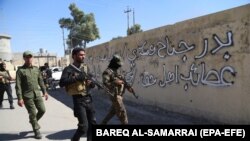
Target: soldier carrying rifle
[[116, 85], [77, 84]]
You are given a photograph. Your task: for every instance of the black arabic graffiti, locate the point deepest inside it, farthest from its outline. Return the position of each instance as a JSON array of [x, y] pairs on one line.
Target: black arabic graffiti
[[222, 45], [218, 42], [147, 79], [197, 74], [204, 52], [169, 77]]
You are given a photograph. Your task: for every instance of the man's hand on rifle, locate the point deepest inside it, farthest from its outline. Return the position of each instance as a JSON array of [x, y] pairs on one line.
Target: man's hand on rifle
[[119, 82], [90, 84], [80, 77], [130, 89]]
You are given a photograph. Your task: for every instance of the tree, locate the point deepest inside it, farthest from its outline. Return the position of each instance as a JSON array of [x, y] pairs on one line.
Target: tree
[[82, 27], [115, 38], [134, 29]]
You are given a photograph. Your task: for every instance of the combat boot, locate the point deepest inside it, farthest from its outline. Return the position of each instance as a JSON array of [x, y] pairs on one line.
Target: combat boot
[[12, 106], [76, 136], [37, 134]]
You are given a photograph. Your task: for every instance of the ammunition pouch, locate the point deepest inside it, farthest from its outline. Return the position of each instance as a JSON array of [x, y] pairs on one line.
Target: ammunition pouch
[[76, 88]]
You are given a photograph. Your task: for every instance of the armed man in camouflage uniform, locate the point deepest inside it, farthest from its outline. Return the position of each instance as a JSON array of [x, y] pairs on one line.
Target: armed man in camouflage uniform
[[78, 86], [111, 79], [5, 86], [28, 80]]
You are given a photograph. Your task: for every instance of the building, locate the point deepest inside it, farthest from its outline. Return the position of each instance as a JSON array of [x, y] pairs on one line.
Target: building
[[38, 59], [5, 49]]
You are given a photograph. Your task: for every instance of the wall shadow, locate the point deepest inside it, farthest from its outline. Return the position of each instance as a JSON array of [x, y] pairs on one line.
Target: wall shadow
[[61, 135], [61, 95], [21, 135]]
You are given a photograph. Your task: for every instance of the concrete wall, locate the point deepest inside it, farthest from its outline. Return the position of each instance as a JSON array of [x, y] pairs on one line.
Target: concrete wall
[[38, 60], [198, 67], [5, 50], [11, 68]]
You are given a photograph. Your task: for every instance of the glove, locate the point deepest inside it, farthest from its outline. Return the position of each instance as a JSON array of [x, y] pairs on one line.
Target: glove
[[80, 77]]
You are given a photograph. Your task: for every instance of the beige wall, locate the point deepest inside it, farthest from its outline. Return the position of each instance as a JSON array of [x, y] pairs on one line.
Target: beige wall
[[198, 67], [37, 60], [5, 50]]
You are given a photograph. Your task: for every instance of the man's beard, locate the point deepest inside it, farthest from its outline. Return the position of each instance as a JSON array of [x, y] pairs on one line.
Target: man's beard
[[80, 61]]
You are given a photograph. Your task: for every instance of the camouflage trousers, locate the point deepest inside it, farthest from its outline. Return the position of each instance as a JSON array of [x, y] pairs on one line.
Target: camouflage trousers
[[117, 109]]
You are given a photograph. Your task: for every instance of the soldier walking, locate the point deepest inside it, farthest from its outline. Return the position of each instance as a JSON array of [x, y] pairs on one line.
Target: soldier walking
[[28, 78], [5, 85], [111, 79], [78, 87]]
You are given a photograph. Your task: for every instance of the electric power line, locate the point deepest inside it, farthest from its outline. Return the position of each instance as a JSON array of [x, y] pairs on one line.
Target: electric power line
[[127, 11]]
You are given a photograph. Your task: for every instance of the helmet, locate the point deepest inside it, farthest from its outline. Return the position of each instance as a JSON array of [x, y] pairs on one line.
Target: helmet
[[117, 59]]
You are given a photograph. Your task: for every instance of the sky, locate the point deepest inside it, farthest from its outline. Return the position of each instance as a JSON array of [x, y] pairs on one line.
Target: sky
[[33, 24]]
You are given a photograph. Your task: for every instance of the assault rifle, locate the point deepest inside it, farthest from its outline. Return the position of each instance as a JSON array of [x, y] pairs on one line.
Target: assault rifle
[[128, 86], [8, 76], [90, 77]]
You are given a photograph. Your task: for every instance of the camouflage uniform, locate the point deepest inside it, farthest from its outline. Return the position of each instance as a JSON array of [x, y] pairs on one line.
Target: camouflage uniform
[[110, 75], [47, 76], [5, 86]]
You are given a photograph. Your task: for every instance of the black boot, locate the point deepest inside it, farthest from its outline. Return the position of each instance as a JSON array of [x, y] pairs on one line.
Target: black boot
[[77, 136], [37, 134], [12, 106]]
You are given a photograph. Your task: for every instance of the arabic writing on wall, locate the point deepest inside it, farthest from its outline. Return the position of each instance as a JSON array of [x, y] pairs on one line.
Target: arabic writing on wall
[[197, 72]]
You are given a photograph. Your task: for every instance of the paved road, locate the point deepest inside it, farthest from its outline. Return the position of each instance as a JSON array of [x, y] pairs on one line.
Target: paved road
[[58, 122]]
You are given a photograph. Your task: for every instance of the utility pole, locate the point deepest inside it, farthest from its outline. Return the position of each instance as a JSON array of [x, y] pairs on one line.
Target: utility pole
[[133, 17], [127, 11], [133, 20]]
